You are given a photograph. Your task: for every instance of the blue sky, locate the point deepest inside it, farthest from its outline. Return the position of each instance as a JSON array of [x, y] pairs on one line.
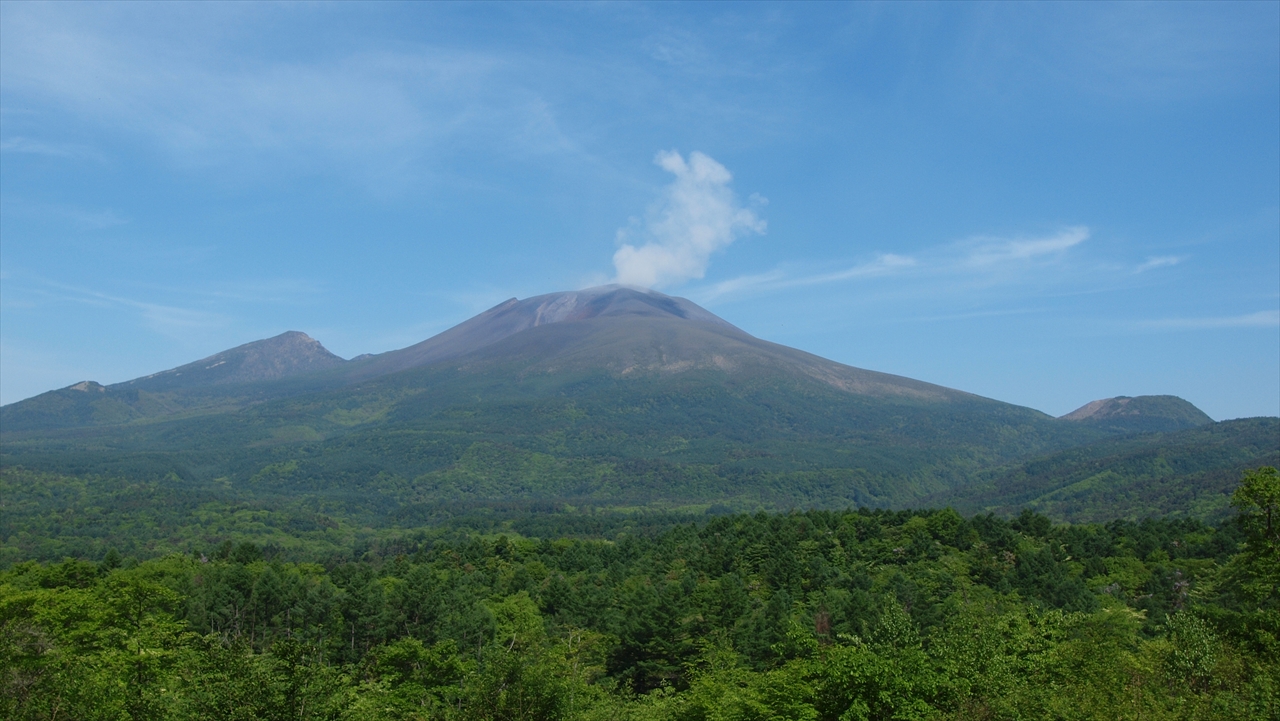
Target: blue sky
[[1041, 203]]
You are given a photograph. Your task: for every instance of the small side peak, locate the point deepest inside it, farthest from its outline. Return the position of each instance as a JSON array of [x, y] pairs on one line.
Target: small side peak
[[1156, 413], [1087, 410], [504, 305]]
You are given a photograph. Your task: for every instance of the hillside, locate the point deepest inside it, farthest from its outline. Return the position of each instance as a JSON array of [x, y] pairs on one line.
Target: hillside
[[1190, 472], [232, 378]]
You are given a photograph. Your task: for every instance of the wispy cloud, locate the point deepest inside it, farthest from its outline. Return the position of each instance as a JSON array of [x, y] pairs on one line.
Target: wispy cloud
[[84, 218], [985, 252], [1162, 261], [94, 220], [376, 113], [165, 319], [1260, 319], [208, 87], [882, 265], [1135, 52], [31, 146], [697, 216], [287, 291], [983, 257]]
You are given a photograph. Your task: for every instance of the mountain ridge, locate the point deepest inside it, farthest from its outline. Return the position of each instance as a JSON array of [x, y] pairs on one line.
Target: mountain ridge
[[607, 396], [294, 354], [292, 362], [514, 316]]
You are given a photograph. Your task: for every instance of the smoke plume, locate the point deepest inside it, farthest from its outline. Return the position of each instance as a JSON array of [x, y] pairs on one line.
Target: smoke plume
[[697, 216]]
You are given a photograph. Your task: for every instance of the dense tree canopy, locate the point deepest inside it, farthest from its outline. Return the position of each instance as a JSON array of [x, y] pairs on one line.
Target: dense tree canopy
[[817, 615]]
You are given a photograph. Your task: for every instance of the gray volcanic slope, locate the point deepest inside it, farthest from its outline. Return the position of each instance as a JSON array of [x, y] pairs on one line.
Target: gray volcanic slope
[[513, 316], [288, 354], [626, 332], [622, 331], [219, 380], [659, 344], [616, 330]]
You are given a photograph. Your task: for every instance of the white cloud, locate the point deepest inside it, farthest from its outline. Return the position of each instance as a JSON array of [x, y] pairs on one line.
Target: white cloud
[[1260, 319], [992, 251], [697, 216], [1162, 261]]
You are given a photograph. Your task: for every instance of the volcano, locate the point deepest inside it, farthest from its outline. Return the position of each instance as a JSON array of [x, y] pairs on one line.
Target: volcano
[[612, 394]]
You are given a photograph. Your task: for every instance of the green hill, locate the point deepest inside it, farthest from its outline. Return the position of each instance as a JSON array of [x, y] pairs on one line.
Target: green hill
[[1143, 414], [1190, 472]]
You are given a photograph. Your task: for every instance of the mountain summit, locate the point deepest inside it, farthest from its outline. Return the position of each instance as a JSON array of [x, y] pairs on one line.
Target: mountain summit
[[1124, 414], [623, 331], [220, 380], [288, 354], [514, 316]]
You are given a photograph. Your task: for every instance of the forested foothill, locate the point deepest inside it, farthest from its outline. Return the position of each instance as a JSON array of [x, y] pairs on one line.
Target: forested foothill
[[856, 614]]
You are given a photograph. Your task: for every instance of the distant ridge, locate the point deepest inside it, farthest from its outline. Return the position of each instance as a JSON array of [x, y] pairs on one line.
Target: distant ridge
[[207, 382], [1140, 414]]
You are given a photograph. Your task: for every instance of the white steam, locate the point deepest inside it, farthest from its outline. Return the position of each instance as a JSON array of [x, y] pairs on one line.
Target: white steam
[[697, 216]]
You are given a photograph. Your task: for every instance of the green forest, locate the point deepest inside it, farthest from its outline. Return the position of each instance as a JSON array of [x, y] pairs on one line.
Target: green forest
[[856, 614]]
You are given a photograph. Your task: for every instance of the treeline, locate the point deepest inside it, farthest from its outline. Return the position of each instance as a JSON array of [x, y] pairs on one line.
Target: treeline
[[818, 615]]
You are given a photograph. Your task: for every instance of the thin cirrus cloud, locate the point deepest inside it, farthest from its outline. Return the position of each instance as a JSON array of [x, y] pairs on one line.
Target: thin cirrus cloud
[[990, 252], [982, 257], [1260, 319], [63, 213], [375, 112], [277, 291], [31, 146], [169, 320], [697, 216], [779, 279], [1162, 261], [176, 320]]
